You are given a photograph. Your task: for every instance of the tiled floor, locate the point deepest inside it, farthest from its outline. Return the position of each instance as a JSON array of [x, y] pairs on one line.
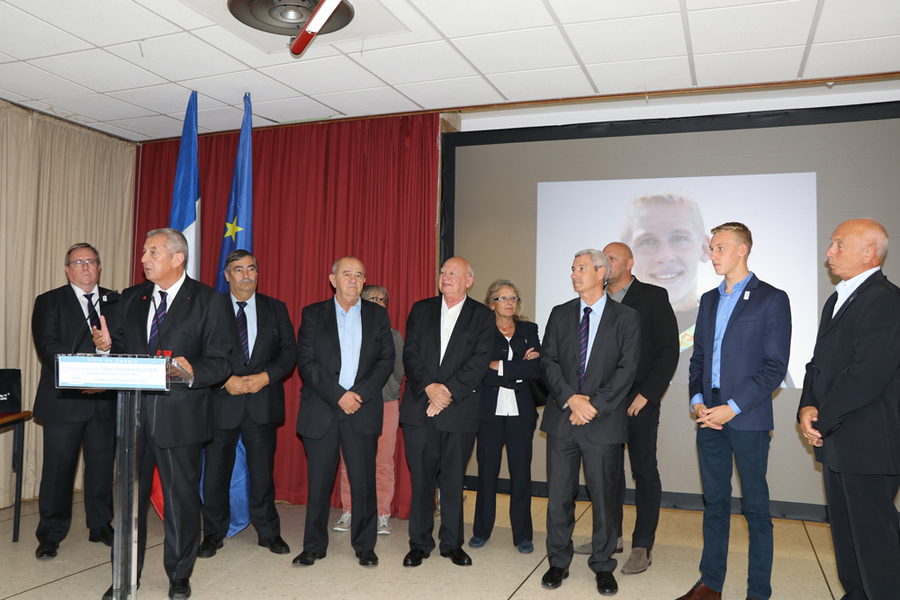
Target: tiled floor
[[804, 564]]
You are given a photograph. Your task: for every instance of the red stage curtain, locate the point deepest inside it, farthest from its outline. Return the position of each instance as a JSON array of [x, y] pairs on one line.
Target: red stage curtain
[[366, 188]]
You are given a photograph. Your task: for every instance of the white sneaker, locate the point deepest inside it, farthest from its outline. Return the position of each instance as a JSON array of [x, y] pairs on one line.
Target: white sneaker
[[384, 525], [343, 524]]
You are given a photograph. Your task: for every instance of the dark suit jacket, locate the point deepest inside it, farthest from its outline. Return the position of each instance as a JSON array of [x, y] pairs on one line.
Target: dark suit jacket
[[197, 327], [659, 340], [465, 362], [319, 363], [516, 372], [610, 372], [755, 352], [274, 352], [57, 323], [854, 381]]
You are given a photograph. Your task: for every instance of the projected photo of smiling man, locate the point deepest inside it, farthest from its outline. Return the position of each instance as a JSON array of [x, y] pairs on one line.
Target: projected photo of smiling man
[[666, 234]]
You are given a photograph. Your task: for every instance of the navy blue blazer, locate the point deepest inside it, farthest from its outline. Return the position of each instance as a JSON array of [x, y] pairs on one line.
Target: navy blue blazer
[[755, 352], [516, 372]]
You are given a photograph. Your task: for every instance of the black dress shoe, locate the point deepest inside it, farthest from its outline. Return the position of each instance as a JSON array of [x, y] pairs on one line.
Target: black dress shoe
[[307, 558], [275, 545], [108, 594], [606, 583], [367, 558], [414, 557], [46, 550], [103, 535], [553, 578], [459, 557], [210, 545], [179, 589]]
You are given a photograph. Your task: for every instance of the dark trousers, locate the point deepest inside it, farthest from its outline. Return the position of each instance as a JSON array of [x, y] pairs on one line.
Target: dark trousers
[[323, 456], [179, 476], [864, 528], [749, 451], [259, 442], [602, 465], [62, 442], [516, 433], [642, 433], [428, 452]]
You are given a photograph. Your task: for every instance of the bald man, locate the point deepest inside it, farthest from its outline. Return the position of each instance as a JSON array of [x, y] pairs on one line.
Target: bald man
[[659, 357], [850, 411], [449, 339]]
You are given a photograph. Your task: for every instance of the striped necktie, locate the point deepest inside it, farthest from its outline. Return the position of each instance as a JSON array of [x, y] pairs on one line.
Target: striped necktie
[[242, 331], [585, 333], [157, 320], [93, 317]]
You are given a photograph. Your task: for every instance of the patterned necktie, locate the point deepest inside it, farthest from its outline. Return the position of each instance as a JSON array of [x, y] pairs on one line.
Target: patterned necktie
[[585, 333], [242, 331], [93, 317], [157, 319]]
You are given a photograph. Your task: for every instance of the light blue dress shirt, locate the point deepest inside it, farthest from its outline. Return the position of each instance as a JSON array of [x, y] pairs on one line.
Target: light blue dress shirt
[[349, 325], [250, 313], [727, 302]]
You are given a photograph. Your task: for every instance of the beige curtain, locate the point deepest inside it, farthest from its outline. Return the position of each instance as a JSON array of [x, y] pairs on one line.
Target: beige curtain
[[60, 184]]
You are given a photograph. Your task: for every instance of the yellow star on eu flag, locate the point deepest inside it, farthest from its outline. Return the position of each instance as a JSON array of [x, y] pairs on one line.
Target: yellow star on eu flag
[[231, 229]]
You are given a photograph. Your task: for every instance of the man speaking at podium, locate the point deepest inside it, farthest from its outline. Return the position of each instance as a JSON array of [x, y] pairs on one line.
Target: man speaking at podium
[[174, 315], [65, 321]]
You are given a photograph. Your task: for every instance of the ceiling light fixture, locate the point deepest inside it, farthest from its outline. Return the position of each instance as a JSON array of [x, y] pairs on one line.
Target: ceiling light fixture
[[300, 19]]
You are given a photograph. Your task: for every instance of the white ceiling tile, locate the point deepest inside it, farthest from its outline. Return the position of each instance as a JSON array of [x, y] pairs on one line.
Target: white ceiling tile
[[100, 22], [36, 84], [119, 132], [4, 58], [98, 70], [705, 4], [856, 19], [156, 127], [177, 57], [323, 76], [472, 17], [576, 11], [97, 107], [861, 57], [293, 110], [45, 107], [543, 84], [176, 12], [165, 99], [226, 118], [523, 50], [413, 64], [755, 66], [417, 30], [641, 75], [244, 51], [12, 96], [230, 88], [629, 39], [377, 101], [452, 93], [771, 25], [22, 36]]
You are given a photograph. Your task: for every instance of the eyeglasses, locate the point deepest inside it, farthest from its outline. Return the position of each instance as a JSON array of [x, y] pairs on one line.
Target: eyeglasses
[[378, 299], [81, 263], [505, 299]]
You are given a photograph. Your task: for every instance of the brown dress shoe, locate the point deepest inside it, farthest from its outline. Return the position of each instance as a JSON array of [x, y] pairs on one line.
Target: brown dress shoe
[[701, 592]]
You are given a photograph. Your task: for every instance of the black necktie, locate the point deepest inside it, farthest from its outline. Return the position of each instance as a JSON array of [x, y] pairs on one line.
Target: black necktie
[[93, 317], [157, 319], [242, 331], [585, 333]]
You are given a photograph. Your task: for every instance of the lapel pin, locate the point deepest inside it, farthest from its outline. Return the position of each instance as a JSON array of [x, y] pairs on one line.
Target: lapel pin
[[747, 295]]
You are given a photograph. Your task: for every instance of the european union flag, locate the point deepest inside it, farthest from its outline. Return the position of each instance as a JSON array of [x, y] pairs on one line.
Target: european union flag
[[239, 218]]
